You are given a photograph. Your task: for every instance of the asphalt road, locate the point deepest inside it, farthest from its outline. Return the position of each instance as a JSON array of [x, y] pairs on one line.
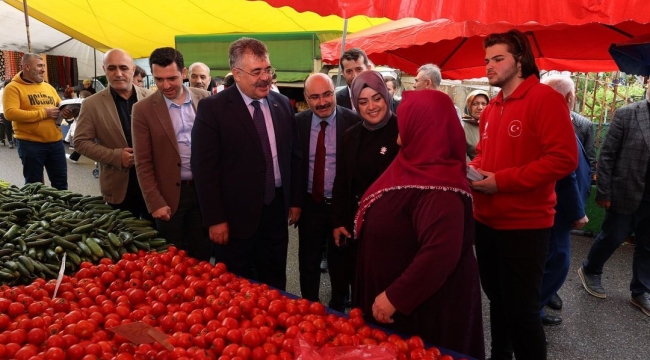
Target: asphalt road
[[592, 328]]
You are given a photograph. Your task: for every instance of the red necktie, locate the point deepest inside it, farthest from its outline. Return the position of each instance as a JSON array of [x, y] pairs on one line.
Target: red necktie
[[318, 183]]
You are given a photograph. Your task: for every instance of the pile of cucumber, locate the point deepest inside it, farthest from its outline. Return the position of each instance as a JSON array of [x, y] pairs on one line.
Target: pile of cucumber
[[38, 224]]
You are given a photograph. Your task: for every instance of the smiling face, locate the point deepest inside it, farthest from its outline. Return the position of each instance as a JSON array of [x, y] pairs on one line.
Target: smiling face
[[200, 77], [501, 68], [255, 87], [169, 80], [119, 70], [34, 70], [371, 106], [319, 92]]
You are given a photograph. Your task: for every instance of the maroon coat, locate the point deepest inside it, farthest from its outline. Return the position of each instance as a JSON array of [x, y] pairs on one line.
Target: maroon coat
[[417, 246]]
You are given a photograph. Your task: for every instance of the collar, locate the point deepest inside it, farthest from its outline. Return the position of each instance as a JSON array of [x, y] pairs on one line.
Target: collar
[[118, 97], [188, 98], [315, 120], [520, 91], [247, 99]]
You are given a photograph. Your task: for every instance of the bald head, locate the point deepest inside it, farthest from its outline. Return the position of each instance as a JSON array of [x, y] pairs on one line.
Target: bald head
[[319, 93], [119, 69]]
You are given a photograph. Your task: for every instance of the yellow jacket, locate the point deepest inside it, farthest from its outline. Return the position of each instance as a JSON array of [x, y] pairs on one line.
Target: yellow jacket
[[24, 104]]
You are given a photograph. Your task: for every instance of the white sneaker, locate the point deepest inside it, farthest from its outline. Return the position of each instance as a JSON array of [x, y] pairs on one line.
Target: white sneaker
[[67, 156]]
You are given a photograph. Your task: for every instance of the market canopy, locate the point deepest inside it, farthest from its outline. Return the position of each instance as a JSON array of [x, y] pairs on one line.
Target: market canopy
[[546, 12], [141, 26], [457, 47]]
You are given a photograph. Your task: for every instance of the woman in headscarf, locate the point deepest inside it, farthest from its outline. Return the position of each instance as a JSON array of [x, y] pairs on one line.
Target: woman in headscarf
[[416, 270], [367, 149], [477, 100]]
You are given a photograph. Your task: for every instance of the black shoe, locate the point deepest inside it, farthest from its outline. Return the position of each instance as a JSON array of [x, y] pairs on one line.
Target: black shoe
[[591, 283], [550, 320], [323, 265], [3, 142], [642, 302], [555, 302]]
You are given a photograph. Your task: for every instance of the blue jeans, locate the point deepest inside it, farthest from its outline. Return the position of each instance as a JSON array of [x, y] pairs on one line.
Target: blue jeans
[[616, 227], [35, 156]]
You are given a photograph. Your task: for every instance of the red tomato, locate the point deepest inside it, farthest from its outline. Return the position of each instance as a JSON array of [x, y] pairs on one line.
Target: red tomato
[[252, 338]]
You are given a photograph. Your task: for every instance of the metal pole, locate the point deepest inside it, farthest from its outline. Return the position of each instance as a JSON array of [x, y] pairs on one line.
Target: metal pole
[[345, 33], [29, 39]]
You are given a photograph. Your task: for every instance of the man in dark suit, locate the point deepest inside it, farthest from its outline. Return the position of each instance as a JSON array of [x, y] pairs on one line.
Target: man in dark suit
[[623, 189], [321, 130], [162, 129], [246, 163], [353, 62]]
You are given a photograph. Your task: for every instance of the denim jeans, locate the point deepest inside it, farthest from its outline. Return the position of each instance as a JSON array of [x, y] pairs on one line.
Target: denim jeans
[[35, 156], [616, 227]]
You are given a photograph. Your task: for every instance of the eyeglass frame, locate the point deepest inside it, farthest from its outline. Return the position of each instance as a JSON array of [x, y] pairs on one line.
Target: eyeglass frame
[[270, 71], [316, 97]]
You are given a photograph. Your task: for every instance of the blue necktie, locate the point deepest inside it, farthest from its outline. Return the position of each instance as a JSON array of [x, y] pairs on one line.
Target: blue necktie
[[260, 126]]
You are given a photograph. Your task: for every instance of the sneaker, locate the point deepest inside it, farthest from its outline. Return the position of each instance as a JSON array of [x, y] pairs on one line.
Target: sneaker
[[67, 156], [11, 144], [592, 284], [642, 302], [3, 142]]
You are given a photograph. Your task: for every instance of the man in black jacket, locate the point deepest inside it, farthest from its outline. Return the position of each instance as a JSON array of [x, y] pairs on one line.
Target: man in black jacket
[[246, 163], [321, 130]]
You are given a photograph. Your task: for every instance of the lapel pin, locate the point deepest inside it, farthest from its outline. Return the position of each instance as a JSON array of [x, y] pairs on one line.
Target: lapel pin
[[383, 150]]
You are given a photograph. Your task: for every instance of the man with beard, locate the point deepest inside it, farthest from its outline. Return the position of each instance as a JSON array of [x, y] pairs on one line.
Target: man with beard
[[103, 134], [32, 106], [162, 129], [353, 62], [527, 144], [321, 129], [199, 76], [246, 163]]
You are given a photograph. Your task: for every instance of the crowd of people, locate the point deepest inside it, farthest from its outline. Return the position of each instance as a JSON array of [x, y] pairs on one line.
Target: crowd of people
[[380, 185]]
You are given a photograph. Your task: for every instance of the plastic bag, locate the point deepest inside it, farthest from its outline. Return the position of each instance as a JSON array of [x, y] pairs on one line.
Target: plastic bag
[[303, 350]]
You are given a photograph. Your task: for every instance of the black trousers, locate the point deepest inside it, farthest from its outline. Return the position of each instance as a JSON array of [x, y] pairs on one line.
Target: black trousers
[[315, 232], [511, 267], [134, 201], [263, 257], [185, 228]]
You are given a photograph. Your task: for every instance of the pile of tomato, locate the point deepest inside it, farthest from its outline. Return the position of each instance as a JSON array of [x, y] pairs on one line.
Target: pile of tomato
[[208, 313]]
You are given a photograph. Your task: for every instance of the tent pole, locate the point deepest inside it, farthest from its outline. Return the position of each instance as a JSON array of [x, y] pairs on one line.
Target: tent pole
[[345, 32], [29, 39], [95, 62]]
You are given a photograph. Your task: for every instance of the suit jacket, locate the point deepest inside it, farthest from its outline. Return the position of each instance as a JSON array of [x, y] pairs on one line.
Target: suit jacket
[[343, 98], [99, 137], [350, 184], [157, 159], [572, 192], [228, 163], [624, 157], [344, 119], [584, 129]]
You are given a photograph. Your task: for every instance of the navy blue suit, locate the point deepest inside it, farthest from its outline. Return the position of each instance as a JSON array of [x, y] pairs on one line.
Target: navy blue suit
[[229, 167], [572, 193]]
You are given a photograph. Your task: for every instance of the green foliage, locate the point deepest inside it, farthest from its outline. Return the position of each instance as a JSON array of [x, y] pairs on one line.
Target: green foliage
[[604, 85]]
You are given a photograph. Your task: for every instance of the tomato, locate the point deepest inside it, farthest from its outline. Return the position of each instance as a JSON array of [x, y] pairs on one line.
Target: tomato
[[252, 338], [75, 352], [36, 336], [15, 309], [230, 350], [84, 329], [415, 342], [234, 336], [317, 308], [26, 352], [54, 353]]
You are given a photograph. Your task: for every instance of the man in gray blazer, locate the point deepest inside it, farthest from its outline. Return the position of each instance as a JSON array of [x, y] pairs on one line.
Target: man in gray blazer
[[622, 189], [103, 134]]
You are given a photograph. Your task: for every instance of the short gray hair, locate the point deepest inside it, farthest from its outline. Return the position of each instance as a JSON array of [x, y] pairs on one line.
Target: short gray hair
[[28, 57], [199, 64], [240, 47], [561, 83], [431, 72]]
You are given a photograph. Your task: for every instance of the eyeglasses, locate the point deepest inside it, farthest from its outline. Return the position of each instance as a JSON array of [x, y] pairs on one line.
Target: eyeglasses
[[258, 72], [324, 96], [484, 104]]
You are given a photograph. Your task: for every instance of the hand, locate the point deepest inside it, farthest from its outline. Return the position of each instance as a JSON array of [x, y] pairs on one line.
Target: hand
[[67, 113], [52, 113], [338, 232], [488, 185], [127, 158], [164, 213], [382, 309], [579, 224], [605, 204], [294, 215], [219, 233]]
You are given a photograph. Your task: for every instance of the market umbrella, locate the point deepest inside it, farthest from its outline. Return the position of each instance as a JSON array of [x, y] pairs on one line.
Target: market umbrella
[[457, 47], [485, 11], [633, 56]]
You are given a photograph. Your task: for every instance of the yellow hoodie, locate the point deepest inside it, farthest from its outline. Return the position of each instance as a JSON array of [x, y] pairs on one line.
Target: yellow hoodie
[[24, 104]]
